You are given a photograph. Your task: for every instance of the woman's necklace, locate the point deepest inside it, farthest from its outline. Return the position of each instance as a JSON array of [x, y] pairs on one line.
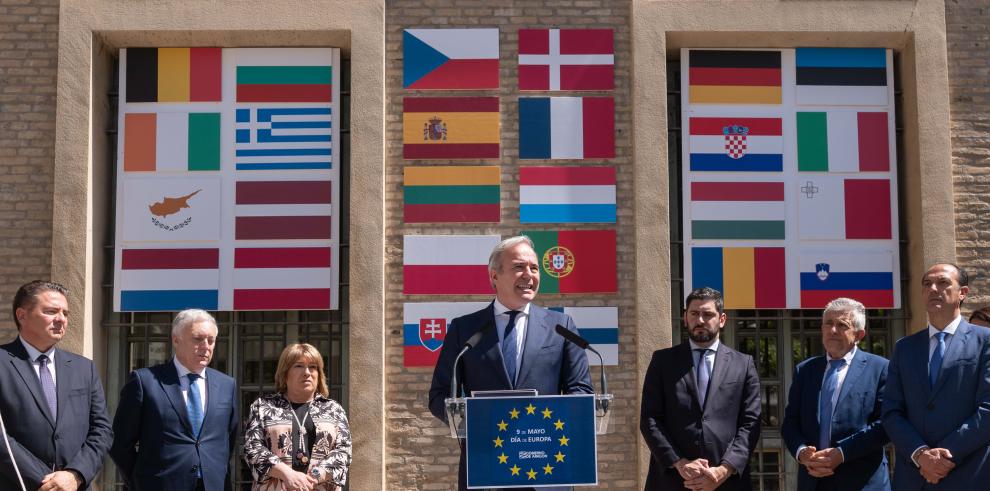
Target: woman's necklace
[[301, 449]]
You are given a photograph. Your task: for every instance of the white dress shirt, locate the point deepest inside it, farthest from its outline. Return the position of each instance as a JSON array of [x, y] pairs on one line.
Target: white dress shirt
[[33, 355], [184, 382], [840, 376]]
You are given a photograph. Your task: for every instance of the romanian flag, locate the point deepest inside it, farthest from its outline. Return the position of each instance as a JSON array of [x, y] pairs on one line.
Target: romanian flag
[[450, 59], [861, 274], [737, 210], [447, 264], [451, 194], [172, 74], [576, 261], [843, 141], [842, 76], [727, 144], [748, 277], [450, 128], [734, 77], [171, 142]]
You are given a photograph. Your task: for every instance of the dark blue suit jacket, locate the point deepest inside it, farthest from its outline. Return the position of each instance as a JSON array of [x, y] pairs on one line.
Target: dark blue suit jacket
[[954, 414], [856, 425], [152, 414], [77, 440], [550, 364]]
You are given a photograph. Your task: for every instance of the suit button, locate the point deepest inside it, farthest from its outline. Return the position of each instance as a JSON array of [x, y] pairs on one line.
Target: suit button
[[58, 437], [197, 444], [194, 468]]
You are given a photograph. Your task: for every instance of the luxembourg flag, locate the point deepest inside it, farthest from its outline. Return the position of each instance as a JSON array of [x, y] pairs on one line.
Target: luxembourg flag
[[566, 127], [443, 59], [866, 275], [567, 195]]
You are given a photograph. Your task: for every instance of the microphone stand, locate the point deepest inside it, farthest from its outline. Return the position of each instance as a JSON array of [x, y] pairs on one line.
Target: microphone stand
[[13, 461]]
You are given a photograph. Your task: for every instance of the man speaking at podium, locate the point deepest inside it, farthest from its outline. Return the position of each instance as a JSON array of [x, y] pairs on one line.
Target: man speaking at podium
[[519, 348]]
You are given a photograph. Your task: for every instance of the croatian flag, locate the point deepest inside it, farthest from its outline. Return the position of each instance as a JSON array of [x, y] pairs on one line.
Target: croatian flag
[[566, 127], [566, 59]]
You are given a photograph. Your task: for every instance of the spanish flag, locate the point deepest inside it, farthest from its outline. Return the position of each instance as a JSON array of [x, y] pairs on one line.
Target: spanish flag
[[450, 128]]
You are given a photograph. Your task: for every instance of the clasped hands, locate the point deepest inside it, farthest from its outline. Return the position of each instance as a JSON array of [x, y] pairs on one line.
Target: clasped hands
[[934, 463], [293, 480], [820, 463], [698, 476]]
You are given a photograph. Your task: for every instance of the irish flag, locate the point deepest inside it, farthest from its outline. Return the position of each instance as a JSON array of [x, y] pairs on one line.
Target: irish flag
[[575, 261], [748, 277], [843, 141], [171, 142], [447, 264]]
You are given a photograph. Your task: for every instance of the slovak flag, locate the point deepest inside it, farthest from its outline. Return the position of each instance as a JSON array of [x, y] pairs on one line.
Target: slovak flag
[[450, 59], [566, 59]]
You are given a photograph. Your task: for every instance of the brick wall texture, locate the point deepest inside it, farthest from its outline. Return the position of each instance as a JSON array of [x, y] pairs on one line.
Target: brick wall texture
[[967, 24], [420, 456], [28, 63]]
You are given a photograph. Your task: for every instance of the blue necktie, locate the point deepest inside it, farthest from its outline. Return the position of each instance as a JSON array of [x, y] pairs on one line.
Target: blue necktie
[[509, 346], [704, 374], [48, 385], [936, 362], [194, 405], [825, 403]]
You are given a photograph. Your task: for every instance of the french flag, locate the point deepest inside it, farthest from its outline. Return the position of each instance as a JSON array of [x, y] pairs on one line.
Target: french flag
[[566, 127], [566, 59], [445, 59]]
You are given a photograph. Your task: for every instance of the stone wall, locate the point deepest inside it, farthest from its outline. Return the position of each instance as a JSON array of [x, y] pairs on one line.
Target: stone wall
[[28, 63]]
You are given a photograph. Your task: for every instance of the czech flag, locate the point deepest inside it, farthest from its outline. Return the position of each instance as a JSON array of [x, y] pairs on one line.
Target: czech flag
[[445, 59]]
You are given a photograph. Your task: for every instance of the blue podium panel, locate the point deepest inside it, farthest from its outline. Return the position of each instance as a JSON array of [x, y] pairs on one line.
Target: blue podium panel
[[531, 441]]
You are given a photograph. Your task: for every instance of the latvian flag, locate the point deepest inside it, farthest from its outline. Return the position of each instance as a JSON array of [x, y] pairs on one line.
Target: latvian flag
[[566, 59], [728, 144], [566, 127], [447, 264], [282, 210]]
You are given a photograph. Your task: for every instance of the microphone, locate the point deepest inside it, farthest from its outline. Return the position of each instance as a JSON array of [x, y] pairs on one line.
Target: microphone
[[584, 344], [470, 343]]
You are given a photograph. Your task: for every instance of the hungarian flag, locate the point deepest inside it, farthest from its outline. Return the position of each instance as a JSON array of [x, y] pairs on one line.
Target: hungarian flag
[[424, 327], [737, 210], [566, 127], [447, 264], [566, 59], [839, 208], [172, 74], [450, 128], [576, 261], [843, 141], [450, 59], [734, 77], [748, 277], [842, 76], [451, 194]]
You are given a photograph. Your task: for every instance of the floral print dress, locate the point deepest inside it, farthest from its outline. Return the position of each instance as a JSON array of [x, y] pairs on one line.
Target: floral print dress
[[268, 441]]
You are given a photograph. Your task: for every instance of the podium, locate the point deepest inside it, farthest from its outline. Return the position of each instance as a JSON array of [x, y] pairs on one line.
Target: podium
[[530, 440]]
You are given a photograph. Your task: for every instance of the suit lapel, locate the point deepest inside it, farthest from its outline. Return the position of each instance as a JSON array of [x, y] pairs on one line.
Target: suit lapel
[[685, 357], [536, 332], [852, 377], [212, 389], [23, 367], [721, 368], [493, 355], [173, 390], [63, 376], [953, 352]]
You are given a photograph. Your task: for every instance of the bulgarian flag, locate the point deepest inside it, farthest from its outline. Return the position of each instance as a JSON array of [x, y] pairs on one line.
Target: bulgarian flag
[[575, 261]]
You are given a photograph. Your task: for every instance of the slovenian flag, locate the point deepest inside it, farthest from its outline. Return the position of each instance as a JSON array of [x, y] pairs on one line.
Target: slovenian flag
[[737, 210], [567, 194], [168, 279], [861, 274], [839, 208], [424, 327], [843, 141], [172, 74], [735, 144], [566, 127], [171, 142], [734, 77], [748, 277], [450, 59], [447, 264], [575, 261], [842, 76], [566, 59], [282, 278], [451, 194], [600, 327]]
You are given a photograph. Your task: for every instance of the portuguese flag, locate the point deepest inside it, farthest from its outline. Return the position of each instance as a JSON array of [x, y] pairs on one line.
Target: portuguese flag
[[575, 261]]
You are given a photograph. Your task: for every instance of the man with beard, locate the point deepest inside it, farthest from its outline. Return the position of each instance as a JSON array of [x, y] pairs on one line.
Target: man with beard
[[700, 414], [519, 348], [936, 408]]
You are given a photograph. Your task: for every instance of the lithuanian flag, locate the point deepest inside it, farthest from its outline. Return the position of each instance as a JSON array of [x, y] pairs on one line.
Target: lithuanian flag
[[451, 194]]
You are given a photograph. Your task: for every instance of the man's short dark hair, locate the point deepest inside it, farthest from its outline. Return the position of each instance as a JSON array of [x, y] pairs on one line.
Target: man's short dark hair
[[963, 275], [705, 294], [27, 295]]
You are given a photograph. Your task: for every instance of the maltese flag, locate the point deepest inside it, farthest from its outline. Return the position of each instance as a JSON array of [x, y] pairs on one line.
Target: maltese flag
[[566, 59]]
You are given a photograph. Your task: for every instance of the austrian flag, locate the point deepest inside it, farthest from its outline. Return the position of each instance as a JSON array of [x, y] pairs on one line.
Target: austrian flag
[[566, 59]]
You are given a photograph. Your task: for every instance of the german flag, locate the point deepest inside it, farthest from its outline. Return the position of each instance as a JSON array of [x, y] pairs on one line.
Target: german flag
[[450, 128], [733, 77]]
